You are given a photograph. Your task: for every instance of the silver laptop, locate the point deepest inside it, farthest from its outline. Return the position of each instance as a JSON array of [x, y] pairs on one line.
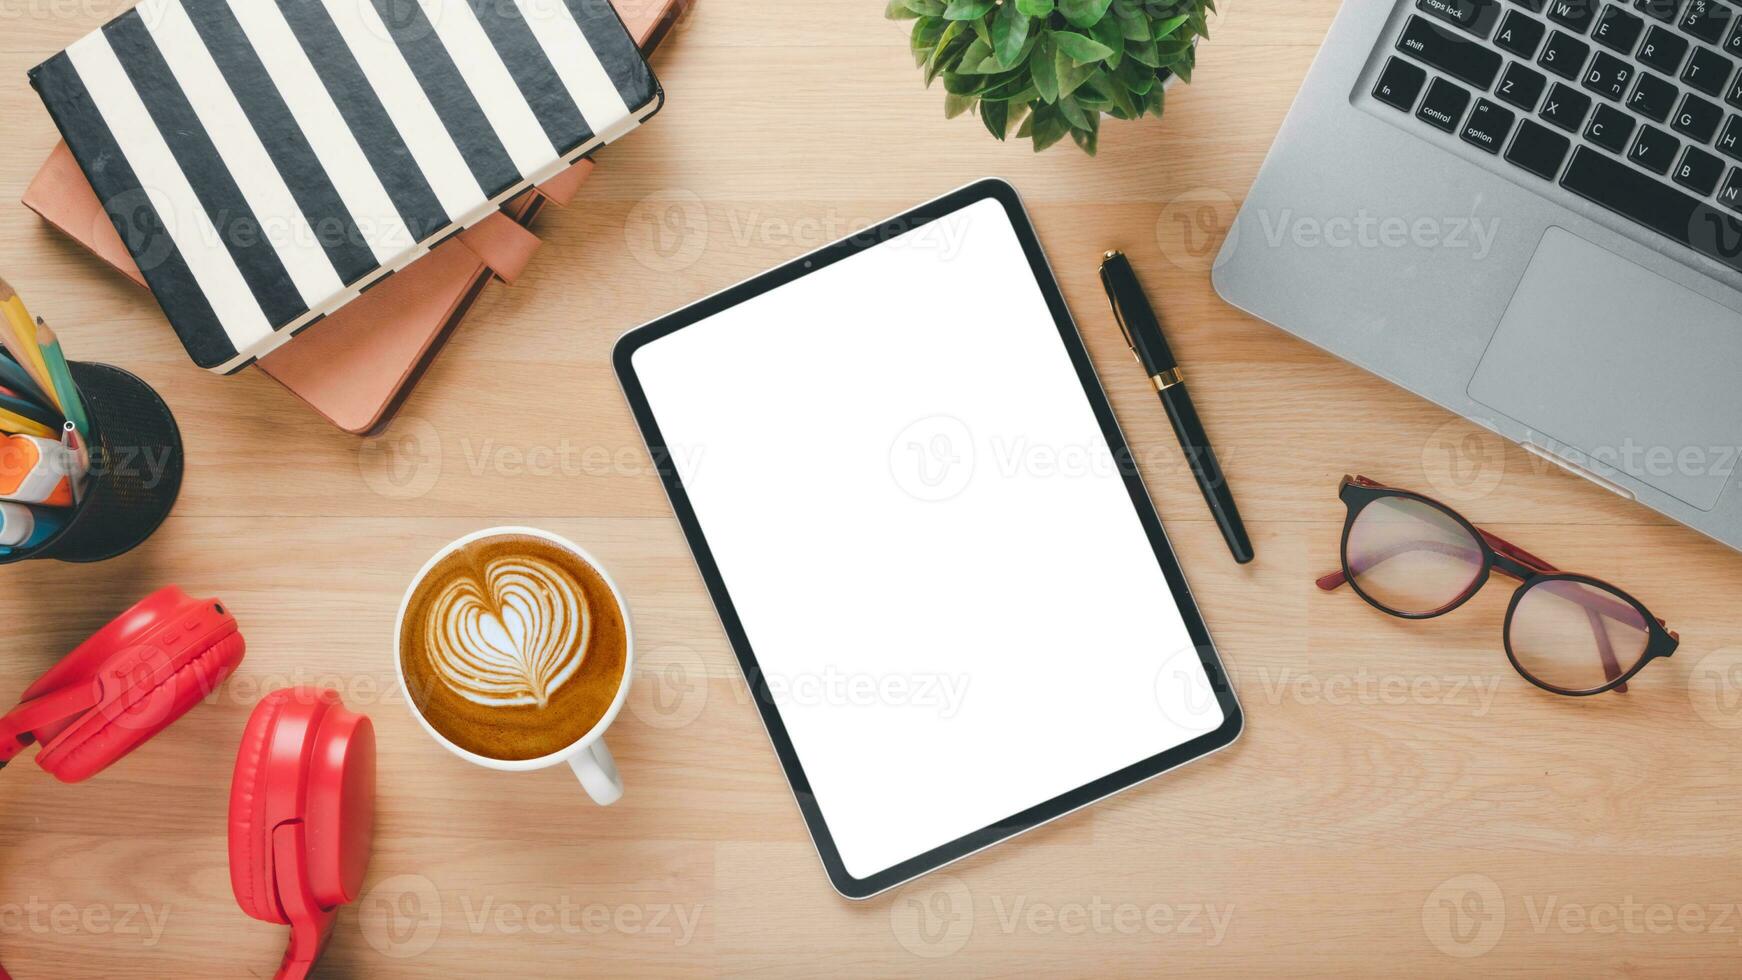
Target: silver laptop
[[1529, 212]]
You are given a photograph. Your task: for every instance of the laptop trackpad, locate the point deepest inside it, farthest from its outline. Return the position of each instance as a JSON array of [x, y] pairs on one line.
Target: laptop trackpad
[[1610, 362]]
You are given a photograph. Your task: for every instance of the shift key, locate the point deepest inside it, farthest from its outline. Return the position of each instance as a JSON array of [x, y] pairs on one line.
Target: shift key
[[1454, 53]]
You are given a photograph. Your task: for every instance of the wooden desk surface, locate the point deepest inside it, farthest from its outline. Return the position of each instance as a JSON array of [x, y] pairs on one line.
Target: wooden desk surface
[[1401, 799]]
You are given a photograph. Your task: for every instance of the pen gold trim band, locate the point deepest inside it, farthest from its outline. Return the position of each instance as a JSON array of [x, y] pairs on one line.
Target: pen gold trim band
[[1167, 379]]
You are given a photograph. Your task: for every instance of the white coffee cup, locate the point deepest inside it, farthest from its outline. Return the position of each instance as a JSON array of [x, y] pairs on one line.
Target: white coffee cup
[[587, 755]]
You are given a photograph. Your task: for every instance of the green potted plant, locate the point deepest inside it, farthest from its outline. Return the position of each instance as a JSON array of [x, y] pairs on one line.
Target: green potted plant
[[1045, 69]]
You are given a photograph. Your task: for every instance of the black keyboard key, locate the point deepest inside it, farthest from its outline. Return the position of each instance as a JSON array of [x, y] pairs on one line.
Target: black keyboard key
[[1399, 84], [1520, 34], [1444, 105], [1734, 95], [1734, 43], [1707, 71], [1706, 20], [1731, 194], [1652, 97], [1475, 16], [1610, 128], [1617, 29], [1564, 55], [1454, 54], [1730, 140], [1608, 76], [1534, 6], [1663, 10], [1538, 149], [1566, 107], [1575, 14], [1663, 50], [1699, 171], [1654, 149], [1697, 118], [1611, 184], [1521, 86], [1488, 126]]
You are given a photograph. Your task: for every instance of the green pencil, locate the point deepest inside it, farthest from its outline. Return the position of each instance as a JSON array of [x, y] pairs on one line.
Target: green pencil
[[15, 377], [62, 376]]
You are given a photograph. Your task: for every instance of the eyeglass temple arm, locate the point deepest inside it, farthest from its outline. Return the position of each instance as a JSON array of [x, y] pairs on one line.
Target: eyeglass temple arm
[[1593, 605]]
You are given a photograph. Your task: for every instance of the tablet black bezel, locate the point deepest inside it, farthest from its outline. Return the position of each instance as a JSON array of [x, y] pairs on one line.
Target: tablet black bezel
[[843, 881]]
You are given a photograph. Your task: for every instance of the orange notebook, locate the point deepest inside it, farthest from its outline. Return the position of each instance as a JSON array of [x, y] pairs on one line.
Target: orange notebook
[[357, 366]]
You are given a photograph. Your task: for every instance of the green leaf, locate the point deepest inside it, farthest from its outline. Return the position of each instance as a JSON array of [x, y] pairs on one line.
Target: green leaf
[[1136, 76], [1122, 101], [1143, 52], [1071, 74], [967, 9], [1165, 29], [1045, 71], [1107, 32], [899, 10], [1132, 23], [959, 84], [996, 116], [1087, 141], [1048, 126], [1084, 13], [1009, 34], [977, 53], [1035, 8], [1074, 113], [1079, 49], [1183, 66], [955, 105], [982, 30], [948, 53]]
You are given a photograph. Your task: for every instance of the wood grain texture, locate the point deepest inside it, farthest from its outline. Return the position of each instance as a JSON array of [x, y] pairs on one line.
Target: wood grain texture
[[1400, 796]]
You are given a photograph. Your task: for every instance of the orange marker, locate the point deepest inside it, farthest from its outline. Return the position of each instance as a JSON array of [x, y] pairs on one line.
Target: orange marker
[[35, 471]]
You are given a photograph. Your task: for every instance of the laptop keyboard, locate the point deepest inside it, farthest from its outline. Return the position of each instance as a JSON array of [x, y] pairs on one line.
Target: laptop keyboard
[[1632, 105]]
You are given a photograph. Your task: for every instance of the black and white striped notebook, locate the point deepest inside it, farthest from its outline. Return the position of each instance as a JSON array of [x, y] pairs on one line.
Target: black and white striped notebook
[[267, 160]]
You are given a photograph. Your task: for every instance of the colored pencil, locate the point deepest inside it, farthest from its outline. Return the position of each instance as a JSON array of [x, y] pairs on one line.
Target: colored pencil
[[20, 338], [31, 410], [66, 392], [13, 422], [16, 378]]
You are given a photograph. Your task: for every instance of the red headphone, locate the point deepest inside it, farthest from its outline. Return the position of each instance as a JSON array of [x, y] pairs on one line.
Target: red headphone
[[303, 796], [302, 809], [124, 684]]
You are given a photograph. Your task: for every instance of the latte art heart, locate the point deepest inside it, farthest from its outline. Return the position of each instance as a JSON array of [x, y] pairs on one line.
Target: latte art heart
[[513, 638]]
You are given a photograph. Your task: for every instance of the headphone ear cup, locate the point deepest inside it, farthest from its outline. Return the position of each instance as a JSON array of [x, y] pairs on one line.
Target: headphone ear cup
[[250, 835], [341, 806], [141, 713]]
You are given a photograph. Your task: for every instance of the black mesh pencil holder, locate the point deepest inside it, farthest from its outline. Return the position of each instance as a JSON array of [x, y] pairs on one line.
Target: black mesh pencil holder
[[136, 467]]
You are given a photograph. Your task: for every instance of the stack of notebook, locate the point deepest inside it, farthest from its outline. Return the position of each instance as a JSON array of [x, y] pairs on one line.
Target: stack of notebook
[[403, 137]]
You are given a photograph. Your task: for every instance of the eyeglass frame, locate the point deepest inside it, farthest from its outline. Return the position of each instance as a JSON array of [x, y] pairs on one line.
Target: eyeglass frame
[[1498, 554]]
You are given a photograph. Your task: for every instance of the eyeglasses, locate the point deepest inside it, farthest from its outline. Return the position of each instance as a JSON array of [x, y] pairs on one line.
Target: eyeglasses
[[1414, 557]]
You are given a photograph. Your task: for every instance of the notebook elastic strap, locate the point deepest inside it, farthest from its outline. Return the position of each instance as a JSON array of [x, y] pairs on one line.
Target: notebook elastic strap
[[502, 244]]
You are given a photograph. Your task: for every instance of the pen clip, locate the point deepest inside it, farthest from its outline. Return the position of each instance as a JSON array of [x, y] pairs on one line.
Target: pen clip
[[1118, 314]]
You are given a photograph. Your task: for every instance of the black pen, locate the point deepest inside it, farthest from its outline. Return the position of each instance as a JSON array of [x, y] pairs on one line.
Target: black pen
[[1137, 321]]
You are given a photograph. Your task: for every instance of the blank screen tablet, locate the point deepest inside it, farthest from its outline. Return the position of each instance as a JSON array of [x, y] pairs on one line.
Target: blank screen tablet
[[942, 577]]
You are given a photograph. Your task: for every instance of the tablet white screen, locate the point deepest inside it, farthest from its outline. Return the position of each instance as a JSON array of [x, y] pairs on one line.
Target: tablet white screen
[[919, 522]]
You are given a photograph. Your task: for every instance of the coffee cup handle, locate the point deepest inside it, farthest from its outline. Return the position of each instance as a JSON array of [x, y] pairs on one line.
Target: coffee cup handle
[[597, 772]]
